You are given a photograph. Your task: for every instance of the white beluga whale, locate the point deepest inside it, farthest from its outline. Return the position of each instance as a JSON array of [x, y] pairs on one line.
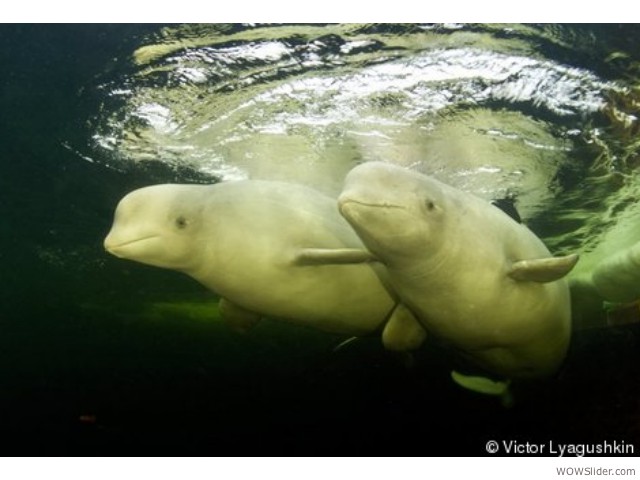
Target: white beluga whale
[[608, 292], [476, 279], [269, 249], [617, 277], [605, 285]]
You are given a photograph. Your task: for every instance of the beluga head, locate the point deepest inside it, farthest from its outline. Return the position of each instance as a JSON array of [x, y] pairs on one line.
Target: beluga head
[[396, 212], [157, 226]]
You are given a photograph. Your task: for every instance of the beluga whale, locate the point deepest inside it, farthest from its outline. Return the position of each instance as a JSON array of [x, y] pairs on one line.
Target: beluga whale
[[617, 277], [268, 249], [476, 279]]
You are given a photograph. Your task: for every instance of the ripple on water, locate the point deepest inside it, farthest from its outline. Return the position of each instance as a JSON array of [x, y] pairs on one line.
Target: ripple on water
[[484, 110]]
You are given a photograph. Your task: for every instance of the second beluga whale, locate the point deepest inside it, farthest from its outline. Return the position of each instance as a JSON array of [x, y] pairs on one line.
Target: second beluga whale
[[476, 279]]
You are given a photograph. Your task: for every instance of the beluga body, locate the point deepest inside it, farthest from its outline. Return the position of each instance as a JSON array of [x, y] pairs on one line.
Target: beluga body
[[476, 279], [271, 249]]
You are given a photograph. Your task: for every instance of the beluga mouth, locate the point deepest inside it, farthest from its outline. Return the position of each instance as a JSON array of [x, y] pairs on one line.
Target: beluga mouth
[[364, 203], [111, 248], [346, 203]]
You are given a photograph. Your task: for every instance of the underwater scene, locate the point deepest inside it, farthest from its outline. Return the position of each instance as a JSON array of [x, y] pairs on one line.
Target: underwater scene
[[320, 239]]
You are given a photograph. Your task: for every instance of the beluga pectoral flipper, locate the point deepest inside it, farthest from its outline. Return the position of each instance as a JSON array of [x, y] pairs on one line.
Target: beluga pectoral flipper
[[543, 270]]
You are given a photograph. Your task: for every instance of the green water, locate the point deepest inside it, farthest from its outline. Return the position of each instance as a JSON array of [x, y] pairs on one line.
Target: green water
[[100, 355]]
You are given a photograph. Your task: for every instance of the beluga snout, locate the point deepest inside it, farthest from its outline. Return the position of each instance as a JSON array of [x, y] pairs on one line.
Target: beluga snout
[[391, 208]]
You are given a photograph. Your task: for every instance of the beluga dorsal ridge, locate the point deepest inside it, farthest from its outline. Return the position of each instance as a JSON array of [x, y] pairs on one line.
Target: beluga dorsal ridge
[[473, 276], [271, 249]]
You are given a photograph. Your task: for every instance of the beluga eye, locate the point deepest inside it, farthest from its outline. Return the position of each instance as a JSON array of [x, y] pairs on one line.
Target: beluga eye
[[181, 222], [430, 205]]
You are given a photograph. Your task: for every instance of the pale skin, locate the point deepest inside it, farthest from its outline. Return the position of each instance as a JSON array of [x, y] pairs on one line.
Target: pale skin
[[617, 277], [475, 279], [267, 249]]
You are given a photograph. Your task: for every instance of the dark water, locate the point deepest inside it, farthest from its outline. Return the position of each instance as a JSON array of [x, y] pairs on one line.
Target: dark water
[[95, 359]]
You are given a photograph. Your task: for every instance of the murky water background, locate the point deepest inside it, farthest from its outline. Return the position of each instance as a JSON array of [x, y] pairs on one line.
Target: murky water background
[[102, 354]]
